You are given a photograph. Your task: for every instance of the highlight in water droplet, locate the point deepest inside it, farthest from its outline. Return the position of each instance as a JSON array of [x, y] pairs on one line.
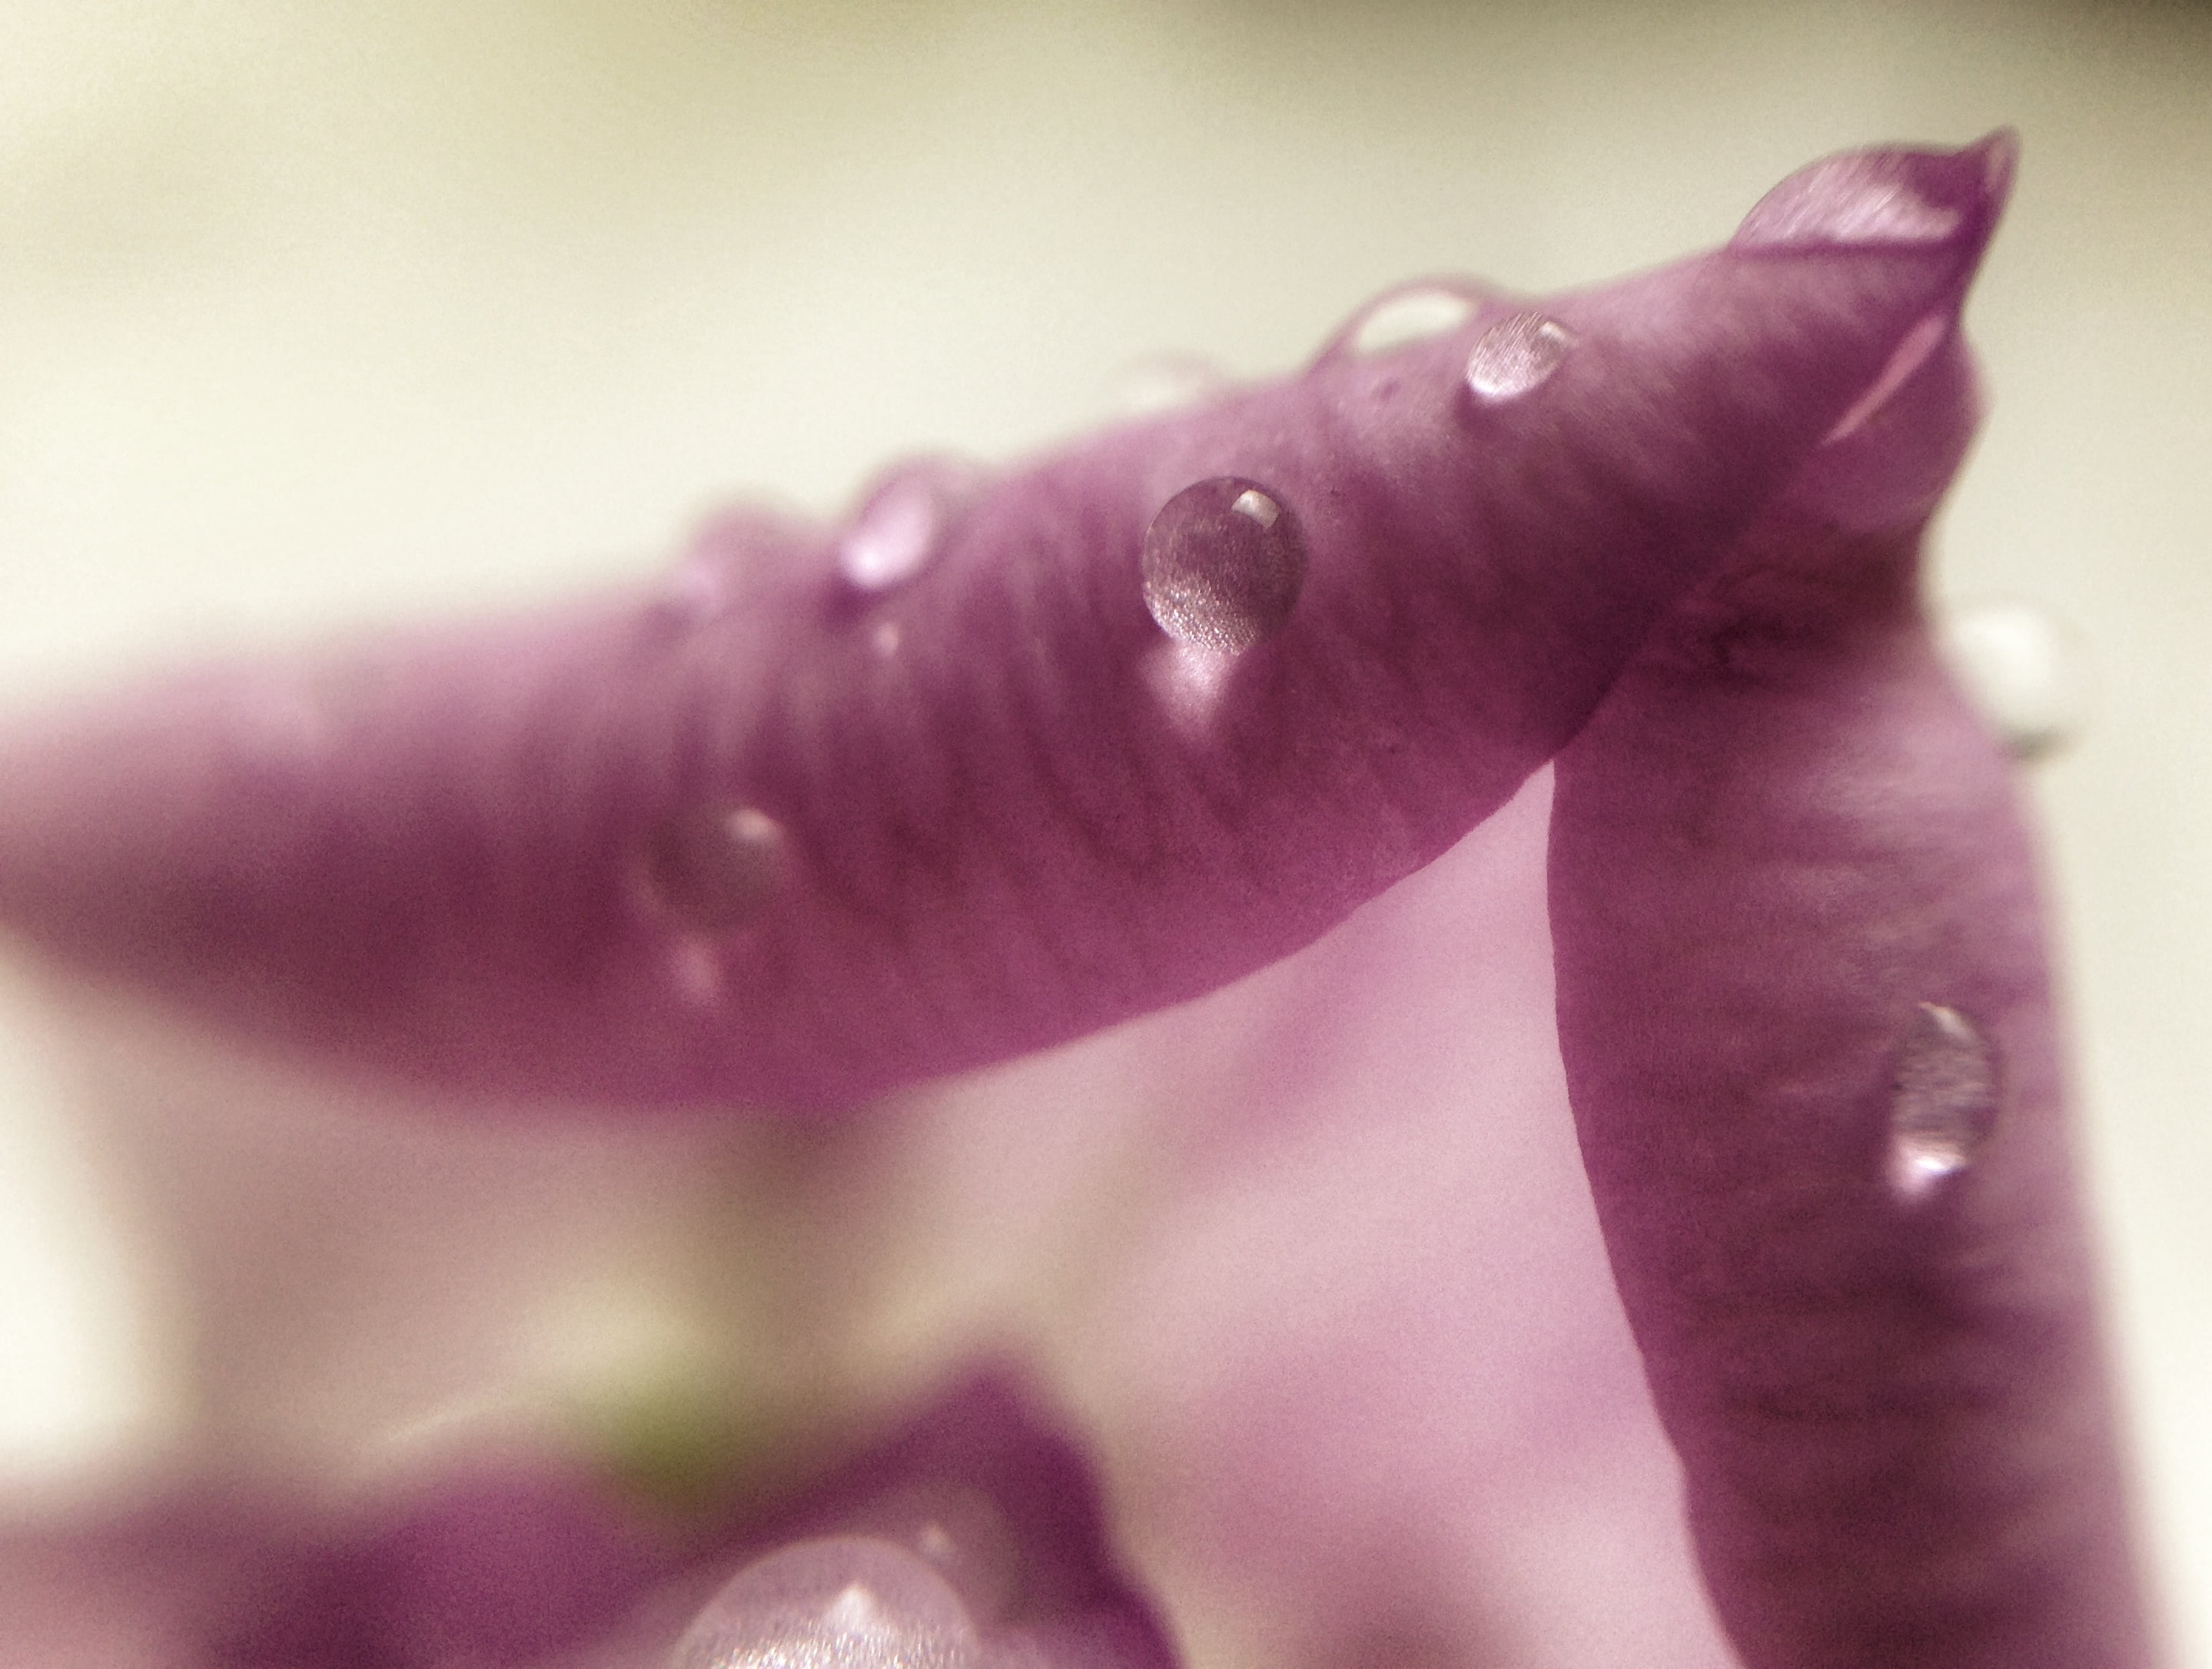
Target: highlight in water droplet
[[1223, 561], [1943, 1100], [714, 869], [2027, 671], [1515, 355], [844, 1602], [902, 522]]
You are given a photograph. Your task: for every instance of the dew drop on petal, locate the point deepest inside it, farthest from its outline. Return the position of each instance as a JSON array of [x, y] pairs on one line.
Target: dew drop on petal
[[1517, 353], [2027, 672], [715, 868], [1164, 382], [1868, 198], [902, 522], [1943, 1100], [845, 1602], [1408, 315], [1223, 561]]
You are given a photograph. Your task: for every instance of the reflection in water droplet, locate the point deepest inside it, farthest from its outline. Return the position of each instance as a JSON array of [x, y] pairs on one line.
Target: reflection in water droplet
[[1859, 199], [902, 522], [1943, 1100], [2027, 671], [1515, 355], [845, 1602], [1408, 315], [1164, 382], [1222, 564], [715, 869]]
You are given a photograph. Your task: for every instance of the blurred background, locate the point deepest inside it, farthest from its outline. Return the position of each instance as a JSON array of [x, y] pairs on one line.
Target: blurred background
[[313, 316]]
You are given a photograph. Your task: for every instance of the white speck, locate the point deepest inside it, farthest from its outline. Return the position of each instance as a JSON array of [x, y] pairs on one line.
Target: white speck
[[2027, 671]]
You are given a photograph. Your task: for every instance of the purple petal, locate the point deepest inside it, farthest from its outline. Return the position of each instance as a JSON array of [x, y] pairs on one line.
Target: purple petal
[[1809, 1040], [791, 834], [523, 1560]]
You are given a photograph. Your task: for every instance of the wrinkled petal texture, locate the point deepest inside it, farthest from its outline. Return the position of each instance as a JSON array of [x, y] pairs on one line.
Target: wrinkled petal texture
[[1808, 1030], [924, 825]]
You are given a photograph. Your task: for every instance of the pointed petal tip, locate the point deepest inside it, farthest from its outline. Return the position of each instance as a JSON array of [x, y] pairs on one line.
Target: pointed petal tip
[[1889, 196]]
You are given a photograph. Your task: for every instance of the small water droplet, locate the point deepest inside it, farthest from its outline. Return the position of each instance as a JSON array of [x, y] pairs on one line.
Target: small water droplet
[[884, 638], [1871, 197], [1223, 561], [731, 553], [844, 1602], [1413, 314], [715, 869], [2027, 671], [1943, 1100], [902, 522], [1164, 382], [1515, 355]]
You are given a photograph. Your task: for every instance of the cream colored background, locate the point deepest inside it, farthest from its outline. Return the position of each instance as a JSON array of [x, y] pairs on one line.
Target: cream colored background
[[314, 313]]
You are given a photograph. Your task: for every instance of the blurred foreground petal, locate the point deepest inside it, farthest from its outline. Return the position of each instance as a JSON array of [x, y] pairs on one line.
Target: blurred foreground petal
[[526, 1560]]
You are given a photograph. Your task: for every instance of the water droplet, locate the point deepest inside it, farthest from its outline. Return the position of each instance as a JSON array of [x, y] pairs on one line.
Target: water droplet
[[1412, 314], [1164, 382], [1943, 1100], [1222, 564], [1871, 197], [1515, 355], [902, 522], [2027, 671], [731, 553], [844, 1602], [715, 869], [885, 637]]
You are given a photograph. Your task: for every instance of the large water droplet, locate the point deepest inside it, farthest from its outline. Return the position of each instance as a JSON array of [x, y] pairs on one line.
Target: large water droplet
[[902, 522], [1517, 353], [1222, 564], [1943, 1100], [1872, 198], [845, 1602], [715, 868], [2027, 671]]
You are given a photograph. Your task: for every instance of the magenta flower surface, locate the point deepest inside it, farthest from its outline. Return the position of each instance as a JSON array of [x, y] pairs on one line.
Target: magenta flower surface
[[1003, 762]]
